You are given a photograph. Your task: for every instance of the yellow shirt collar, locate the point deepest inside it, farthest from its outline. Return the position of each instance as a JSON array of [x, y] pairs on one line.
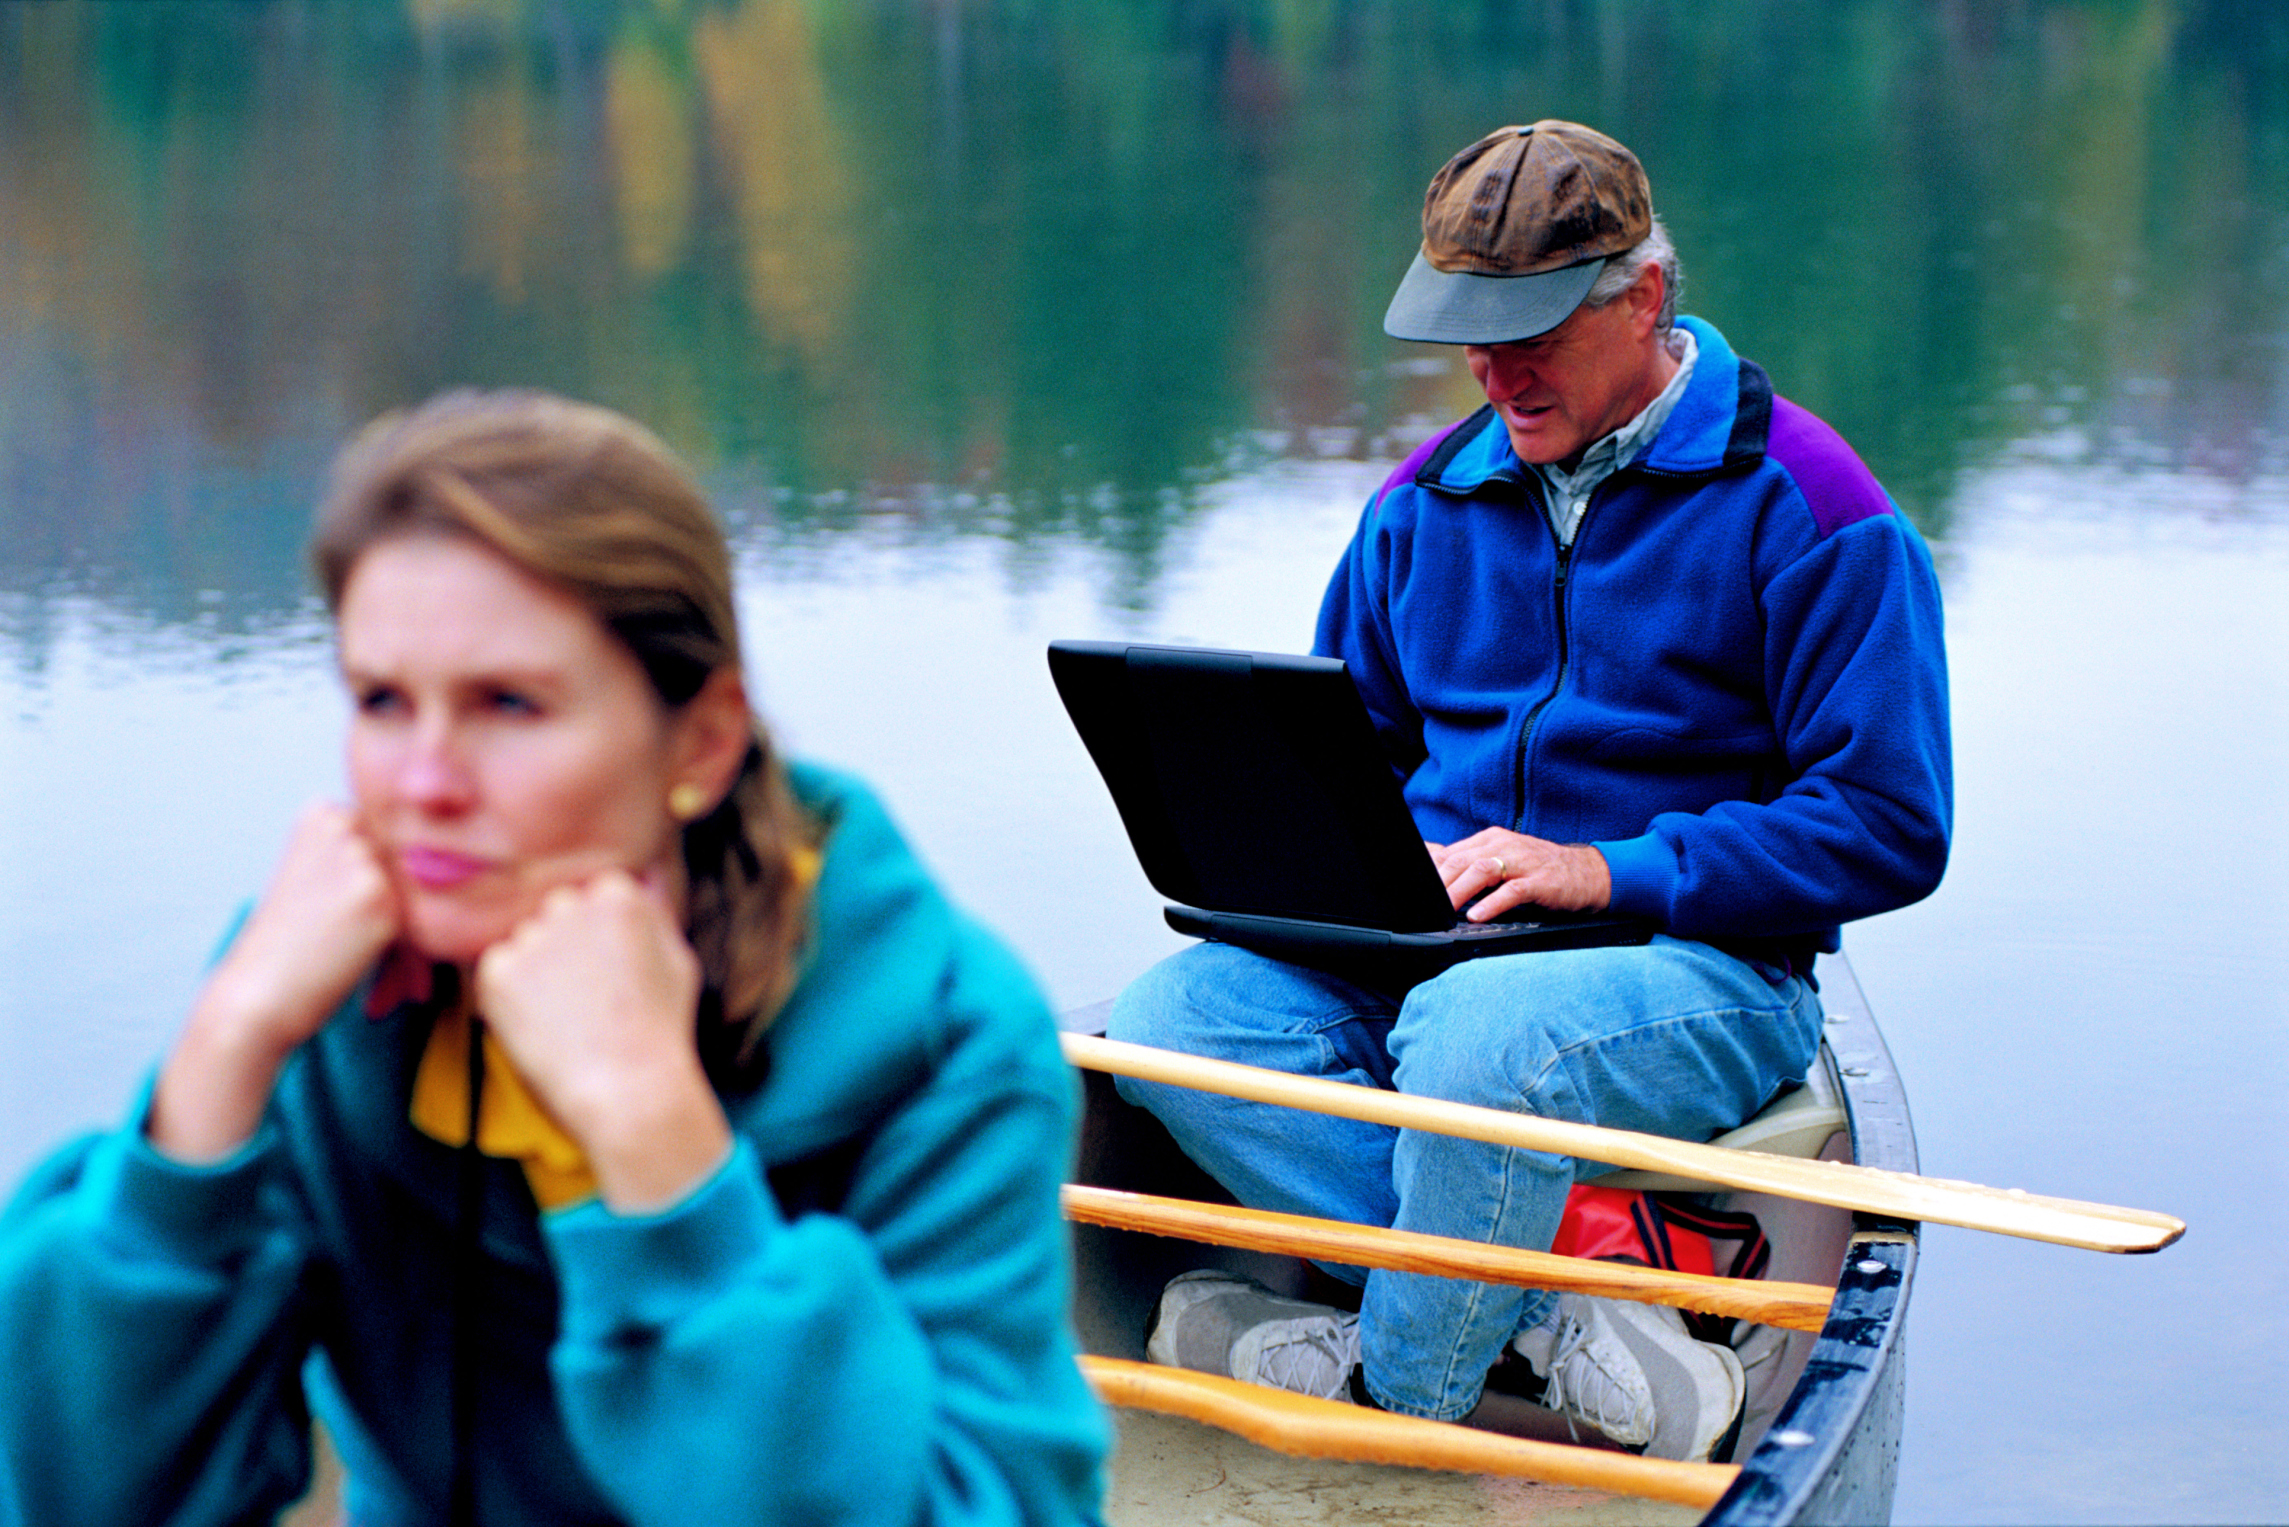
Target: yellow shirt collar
[[511, 1123]]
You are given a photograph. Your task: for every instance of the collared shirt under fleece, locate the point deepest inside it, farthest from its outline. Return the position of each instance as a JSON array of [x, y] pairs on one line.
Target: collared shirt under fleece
[[1732, 682], [1566, 495], [860, 1318]]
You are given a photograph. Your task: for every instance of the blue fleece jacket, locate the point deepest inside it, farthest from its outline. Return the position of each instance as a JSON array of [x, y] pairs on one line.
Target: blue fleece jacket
[[862, 1318], [1733, 683]]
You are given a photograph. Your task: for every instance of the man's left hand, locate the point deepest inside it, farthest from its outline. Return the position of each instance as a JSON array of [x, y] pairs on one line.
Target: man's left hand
[[1505, 869]]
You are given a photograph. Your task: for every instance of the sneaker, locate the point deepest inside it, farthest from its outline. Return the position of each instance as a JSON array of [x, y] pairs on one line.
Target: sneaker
[[1630, 1370], [1212, 1322]]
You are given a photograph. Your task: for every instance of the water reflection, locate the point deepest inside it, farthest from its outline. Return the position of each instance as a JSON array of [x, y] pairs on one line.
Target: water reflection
[[1040, 272]]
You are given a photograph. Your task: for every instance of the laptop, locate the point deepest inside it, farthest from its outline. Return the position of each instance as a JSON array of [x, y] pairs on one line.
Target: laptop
[[1258, 798]]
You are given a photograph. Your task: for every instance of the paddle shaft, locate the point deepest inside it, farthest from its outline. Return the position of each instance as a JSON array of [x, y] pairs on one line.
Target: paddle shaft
[[1304, 1427], [2011, 1211], [1793, 1306]]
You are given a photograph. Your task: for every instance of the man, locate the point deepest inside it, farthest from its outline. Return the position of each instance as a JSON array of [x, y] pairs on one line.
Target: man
[[1637, 635]]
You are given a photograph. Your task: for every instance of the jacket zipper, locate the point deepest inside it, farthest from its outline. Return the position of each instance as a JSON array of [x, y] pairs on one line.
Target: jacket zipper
[[1534, 716], [1557, 598]]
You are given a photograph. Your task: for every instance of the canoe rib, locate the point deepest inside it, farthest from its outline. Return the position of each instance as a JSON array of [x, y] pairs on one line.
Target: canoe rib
[[1308, 1428], [1793, 1306]]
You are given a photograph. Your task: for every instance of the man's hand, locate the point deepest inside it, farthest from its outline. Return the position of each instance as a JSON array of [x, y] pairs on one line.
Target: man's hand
[[1505, 869]]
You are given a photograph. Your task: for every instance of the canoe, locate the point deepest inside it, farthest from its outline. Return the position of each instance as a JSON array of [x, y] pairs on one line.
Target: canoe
[[1820, 1442]]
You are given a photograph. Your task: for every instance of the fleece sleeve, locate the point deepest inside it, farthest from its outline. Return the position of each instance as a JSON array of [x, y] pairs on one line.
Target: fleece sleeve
[[1355, 625], [1856, 672], [902, 1361], [149, 1328]]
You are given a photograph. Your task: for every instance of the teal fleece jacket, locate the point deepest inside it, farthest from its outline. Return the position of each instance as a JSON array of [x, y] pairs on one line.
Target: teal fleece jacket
[[861, 1318]]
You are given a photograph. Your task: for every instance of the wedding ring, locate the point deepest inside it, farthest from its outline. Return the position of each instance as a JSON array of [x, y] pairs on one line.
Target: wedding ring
[[1501, 870]]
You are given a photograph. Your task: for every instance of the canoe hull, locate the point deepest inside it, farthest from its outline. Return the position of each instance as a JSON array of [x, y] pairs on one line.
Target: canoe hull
[[1829, 1418]]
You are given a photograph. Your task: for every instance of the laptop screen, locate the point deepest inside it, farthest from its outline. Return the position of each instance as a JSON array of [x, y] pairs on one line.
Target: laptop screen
[[1251, 783]]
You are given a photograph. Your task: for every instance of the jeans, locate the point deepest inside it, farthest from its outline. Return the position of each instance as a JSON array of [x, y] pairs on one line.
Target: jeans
[[1671, 1038]]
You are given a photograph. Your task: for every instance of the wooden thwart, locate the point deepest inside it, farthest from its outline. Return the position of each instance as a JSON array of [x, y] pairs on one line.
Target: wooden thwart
[[1307, 1428], [2012, 1211], [1794, 1306]]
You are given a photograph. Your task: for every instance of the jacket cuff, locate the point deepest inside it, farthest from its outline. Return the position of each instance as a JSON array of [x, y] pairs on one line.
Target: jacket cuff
[[1644, 871], [186, 1211], [643, 1271]]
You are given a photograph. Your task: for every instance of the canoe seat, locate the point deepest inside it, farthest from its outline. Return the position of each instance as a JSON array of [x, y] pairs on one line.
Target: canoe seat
[[1797, 1123]]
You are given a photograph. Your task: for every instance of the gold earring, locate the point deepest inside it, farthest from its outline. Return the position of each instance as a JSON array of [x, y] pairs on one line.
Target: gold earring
[[686, 802]]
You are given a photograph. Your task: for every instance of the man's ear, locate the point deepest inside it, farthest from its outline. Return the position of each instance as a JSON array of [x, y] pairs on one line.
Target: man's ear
[[1644, 298], [712, 733]]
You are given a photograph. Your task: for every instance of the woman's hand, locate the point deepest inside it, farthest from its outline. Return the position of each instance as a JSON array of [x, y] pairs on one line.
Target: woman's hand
[[327, 916], [595, 997], [1504, 869]]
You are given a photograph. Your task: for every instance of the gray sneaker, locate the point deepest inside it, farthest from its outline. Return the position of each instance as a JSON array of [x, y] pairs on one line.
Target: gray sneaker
[[1212, 1322], [1630, 1370]]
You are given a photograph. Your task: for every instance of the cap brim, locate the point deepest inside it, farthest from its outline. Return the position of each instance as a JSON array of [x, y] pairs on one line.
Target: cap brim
[[1460, 308]]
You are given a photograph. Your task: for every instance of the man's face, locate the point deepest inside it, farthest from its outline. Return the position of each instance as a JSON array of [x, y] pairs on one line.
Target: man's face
[[1561, 391]]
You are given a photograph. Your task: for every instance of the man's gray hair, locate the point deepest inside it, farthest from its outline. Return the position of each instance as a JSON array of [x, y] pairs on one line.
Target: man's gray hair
[[1622, 270]]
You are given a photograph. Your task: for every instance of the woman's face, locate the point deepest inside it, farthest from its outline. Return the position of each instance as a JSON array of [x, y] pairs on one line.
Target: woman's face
[[502, 743]]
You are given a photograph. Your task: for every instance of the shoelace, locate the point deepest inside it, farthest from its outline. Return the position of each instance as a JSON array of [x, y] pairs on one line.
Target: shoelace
[[1567, 1398], [1317, 1362]]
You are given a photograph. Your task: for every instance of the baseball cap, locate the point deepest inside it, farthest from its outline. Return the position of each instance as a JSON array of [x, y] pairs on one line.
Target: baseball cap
[[1516, 228]]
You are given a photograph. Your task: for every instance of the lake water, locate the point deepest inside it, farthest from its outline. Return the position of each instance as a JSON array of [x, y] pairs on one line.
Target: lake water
[[994, 323]]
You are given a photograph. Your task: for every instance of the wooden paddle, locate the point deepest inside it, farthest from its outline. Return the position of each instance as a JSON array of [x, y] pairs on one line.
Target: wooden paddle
[[1794, 1306], [1308, 1428], [2005, 1211]]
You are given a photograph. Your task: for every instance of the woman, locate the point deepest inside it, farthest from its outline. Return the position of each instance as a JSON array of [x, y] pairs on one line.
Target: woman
[[743, 1206]]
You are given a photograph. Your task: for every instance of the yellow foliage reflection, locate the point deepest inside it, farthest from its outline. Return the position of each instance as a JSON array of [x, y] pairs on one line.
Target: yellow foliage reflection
[[648, 109], [787, 165]]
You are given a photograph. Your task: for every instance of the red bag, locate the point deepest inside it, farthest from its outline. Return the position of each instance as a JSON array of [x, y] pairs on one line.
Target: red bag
[[1668, 1230]]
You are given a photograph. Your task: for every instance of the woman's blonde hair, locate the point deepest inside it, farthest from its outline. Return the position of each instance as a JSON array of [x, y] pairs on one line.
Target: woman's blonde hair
[[599, 506]]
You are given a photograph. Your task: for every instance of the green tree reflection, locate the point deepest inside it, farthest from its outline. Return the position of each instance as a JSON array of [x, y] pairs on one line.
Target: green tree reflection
[[1041, 269]]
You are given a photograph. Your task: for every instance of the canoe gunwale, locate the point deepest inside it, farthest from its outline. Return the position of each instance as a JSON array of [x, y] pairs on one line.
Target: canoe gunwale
[[1849, 1400]]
